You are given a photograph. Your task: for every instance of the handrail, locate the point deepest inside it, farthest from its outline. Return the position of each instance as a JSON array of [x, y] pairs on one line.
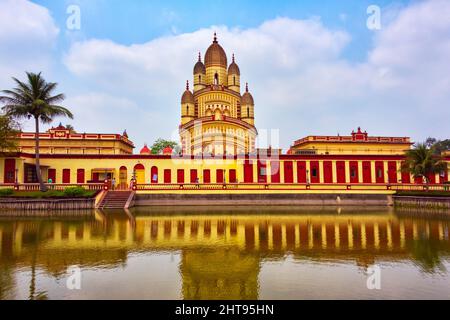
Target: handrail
[[51, 186]]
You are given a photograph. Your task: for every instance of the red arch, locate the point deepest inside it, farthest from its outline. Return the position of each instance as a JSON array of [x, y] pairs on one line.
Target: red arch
[[154, 174], [139, 166]]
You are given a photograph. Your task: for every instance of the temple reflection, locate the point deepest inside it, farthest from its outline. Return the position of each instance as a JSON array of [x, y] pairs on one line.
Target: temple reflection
[[221, 253]]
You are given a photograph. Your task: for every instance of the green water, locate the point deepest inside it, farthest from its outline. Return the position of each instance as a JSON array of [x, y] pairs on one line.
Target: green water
[[227, 253]]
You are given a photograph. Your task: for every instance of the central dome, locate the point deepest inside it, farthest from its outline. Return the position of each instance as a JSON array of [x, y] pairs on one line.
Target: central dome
[[215, 55]]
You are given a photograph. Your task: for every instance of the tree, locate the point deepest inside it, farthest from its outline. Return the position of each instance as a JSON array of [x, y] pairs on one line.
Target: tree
[[422, 161], [159, 145], [8, 133], [34, 99], [439, 146]]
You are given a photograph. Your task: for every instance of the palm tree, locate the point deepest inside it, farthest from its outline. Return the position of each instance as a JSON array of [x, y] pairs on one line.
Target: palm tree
[[422, 161], [34, 99]]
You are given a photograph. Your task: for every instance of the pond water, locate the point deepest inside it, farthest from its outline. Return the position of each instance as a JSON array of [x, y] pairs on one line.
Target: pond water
[[227, 253]]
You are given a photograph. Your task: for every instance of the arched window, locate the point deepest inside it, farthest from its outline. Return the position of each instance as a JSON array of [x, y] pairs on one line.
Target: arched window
[[187, 110], [199, 79], [216, 79], [234, 80], [248, 112]]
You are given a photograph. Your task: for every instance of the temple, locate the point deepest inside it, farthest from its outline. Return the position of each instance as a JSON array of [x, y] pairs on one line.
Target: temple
[[215, 118], [217, 136]]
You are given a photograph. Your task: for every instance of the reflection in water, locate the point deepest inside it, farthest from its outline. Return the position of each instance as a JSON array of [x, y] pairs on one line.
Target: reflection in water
[[221, 252]]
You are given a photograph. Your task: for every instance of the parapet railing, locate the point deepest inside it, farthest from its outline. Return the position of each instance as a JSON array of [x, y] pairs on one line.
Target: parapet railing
[[291, 186], [52, 186]]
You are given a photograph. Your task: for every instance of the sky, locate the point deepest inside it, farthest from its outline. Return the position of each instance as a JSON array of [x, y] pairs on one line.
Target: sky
[[313, 67]]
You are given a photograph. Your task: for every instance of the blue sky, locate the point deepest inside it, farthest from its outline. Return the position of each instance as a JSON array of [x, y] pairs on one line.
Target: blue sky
[[313, 66]]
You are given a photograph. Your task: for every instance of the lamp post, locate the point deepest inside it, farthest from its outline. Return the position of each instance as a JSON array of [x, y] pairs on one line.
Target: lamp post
[[307, 176]]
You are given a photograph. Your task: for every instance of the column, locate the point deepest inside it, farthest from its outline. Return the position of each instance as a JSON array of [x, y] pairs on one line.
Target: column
[[295, 172], [321, 173], [281, 171], [255, 171], [308, 171], [373, 172], [360, 172], [334, 171], [399, 171], [269, 171], [347, 171]]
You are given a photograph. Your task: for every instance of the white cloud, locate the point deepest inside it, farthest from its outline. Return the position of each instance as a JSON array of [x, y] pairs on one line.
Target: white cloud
[[298, 75], [27, 36]]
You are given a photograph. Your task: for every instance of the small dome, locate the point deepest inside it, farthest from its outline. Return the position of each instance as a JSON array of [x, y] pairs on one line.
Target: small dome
[[199, 66], [233, 69], [167, 151], [215, 55], [187, 97], [247, 98], [145, 150]]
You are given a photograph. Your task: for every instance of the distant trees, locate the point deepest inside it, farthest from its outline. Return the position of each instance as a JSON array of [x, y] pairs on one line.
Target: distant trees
[[9, 129], [159, 145]]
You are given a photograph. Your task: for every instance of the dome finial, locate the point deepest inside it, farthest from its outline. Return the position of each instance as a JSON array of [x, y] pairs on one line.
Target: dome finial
[[215, 37], [199, 57], [233, 57], [246, 87], [187, 84]]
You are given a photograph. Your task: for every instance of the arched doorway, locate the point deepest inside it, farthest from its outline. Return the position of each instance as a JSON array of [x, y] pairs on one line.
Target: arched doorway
[[154, 174], [139, 172], [123, 177]]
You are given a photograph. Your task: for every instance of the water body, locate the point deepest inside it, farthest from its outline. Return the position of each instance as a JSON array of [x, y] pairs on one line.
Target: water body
[[227, 253]]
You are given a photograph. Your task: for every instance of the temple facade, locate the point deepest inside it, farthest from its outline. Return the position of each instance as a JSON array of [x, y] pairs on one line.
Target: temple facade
[[215, 118]]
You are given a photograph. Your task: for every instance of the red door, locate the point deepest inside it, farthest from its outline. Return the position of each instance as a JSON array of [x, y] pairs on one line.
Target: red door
[[275, 171], [154, 174], [10, 171], [66, 175], [406, 177], [233, 176], [52, 175], [367, 172], [206, 176], [288, 172], [340, 171], [301, 172], [180, 176], [248, 172], [80, 176], [219, 176], [392, 171], [314, 172], [354, 172], [167, 176], [379, 171], [193, 176], [328, 172]]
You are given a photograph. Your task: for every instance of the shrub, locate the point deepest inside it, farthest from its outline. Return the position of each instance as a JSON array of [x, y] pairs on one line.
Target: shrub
[[74, 192], [6, 192]]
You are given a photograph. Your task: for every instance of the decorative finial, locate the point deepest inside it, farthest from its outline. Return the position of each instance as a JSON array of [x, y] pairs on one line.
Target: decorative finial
[[199, 57], [187, 85], [215, 37], [233, 57], [246, 87]]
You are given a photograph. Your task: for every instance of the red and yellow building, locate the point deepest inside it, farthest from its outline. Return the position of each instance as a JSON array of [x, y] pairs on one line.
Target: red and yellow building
[[217, 134]]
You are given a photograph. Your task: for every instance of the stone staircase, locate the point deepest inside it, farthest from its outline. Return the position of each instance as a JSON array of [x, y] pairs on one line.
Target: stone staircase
[[115, 200]]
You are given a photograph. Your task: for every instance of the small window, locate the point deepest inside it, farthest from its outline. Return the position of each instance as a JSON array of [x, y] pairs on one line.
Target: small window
[[248, 112], [353, 173], [187, 110], [314, 172], [216, 79], [234, 80], [380, 173]]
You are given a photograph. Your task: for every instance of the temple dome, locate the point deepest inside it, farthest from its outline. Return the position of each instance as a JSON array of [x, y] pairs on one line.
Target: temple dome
[[215, 55], [233, 69], [188, 96], [247, 98], [145, 150], [199, 66]]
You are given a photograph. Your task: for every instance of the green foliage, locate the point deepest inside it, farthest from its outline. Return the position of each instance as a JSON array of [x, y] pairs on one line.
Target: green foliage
[[8, 131], [422, 161], [74, 192], [160, 144], [6, 192], [439, 146]]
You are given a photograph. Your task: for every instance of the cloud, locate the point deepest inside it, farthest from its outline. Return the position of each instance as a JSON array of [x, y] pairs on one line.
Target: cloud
[[298, 75], [27, 36]]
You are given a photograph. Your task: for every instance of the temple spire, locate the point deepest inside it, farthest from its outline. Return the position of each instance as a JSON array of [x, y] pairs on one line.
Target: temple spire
[[199, 57], [215, 37], [187, 85], [233, 57], [246, 87]]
